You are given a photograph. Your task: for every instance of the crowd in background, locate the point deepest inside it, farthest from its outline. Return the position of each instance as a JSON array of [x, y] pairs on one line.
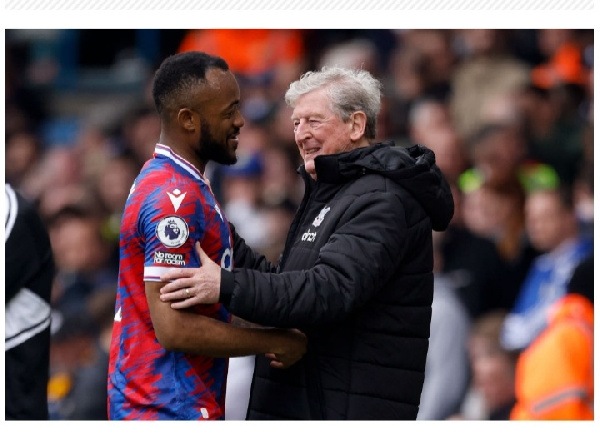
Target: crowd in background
[[508, 113]]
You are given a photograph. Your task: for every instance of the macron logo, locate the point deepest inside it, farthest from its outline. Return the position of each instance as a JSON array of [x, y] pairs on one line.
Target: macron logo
[[118, 315], [176, 198]]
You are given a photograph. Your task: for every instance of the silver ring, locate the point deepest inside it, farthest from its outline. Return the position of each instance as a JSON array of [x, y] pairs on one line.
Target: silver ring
[[187, 292]]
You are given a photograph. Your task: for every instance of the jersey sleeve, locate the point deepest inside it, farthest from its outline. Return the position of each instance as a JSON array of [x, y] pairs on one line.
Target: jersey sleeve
[[171, 220]]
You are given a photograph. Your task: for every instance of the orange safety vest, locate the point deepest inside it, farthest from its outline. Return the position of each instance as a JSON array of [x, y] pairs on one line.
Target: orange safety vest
[[555, 374]]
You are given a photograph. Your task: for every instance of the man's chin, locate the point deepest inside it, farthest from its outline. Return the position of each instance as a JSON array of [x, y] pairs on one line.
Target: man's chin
[[310, 169], [228, 159]]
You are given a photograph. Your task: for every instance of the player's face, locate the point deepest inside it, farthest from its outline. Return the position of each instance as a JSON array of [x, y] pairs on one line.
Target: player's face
[[221, 119]]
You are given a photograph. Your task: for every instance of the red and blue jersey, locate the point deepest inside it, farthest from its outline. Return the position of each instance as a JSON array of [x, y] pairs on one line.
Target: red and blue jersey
[[170, 207]]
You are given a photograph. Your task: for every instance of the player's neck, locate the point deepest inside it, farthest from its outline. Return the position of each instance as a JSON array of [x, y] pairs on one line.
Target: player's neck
[[184, 151]]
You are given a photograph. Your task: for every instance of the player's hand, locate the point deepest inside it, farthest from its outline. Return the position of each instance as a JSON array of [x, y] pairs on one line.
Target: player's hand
[[191, 286], [293, 347]]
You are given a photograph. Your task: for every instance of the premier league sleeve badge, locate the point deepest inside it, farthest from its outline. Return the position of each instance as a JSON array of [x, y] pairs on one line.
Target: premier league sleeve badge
[[172, 231]]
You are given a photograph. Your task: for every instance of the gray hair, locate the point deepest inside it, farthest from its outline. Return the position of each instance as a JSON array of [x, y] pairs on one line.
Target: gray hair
[[349, 90]]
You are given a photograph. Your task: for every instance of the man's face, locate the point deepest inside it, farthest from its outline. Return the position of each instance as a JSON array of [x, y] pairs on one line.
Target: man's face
[[318, 130], [220, 118], [546, 220]]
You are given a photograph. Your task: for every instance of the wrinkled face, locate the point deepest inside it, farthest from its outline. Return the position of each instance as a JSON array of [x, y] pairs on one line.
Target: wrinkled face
[[318, 130], [220, 118]]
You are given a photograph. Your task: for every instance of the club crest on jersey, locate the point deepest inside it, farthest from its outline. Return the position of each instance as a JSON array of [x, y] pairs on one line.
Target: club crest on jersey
[[172, 231], [319, 219]]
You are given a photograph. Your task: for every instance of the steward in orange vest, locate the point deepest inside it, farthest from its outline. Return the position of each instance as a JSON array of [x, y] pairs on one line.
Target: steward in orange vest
[[555, 373]]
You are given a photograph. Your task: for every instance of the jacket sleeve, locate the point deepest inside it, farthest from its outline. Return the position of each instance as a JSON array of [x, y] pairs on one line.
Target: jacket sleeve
[[358, 258]]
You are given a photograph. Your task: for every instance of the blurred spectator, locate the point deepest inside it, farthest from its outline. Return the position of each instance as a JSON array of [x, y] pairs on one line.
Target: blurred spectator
[[138, 133], [430, 125], [583, 186], [59, 167], [281, 128], [427, 115], [278, 219], [112, 192], [280, 181], [82, 260], [72, 347], [23, 151], [241, 191], [473, 263], [564, 62], [555, 374], [554, 131], [355, 53], [587, 107], [496, 186], [93, 149], [25, 108], [500, 158], [492, 393], [86, 398], [405, 85], [553, 229], [498, 215], [113, 189], [486, 68], [439, 58], [504, 108], [447, 367], [449, 153]]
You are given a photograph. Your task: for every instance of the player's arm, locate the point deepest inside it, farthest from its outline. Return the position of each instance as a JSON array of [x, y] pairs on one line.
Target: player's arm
[[183, 330]]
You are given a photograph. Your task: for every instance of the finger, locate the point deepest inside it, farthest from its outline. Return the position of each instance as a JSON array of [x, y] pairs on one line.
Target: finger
[[176, 296], [174, 273], [204, 258], [277, 364], [186, 303], [180, 283]]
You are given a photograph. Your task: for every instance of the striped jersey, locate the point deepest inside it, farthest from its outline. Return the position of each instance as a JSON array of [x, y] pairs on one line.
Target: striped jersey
[[170, 207]]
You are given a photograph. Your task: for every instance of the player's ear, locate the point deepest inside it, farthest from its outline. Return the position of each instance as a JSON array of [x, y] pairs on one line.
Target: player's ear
[[188, 119]]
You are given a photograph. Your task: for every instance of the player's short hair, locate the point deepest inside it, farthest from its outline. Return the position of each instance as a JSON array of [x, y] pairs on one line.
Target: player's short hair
[[178, 74]]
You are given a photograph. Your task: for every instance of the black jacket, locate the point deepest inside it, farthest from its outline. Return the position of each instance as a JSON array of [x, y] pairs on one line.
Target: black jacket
[[29, 273], [356, 277]]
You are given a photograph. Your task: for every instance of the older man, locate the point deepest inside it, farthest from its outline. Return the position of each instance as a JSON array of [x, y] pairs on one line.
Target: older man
[[356, 271]]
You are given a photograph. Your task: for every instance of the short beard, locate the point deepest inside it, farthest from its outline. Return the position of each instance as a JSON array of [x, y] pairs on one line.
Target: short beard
[[210, 150]]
